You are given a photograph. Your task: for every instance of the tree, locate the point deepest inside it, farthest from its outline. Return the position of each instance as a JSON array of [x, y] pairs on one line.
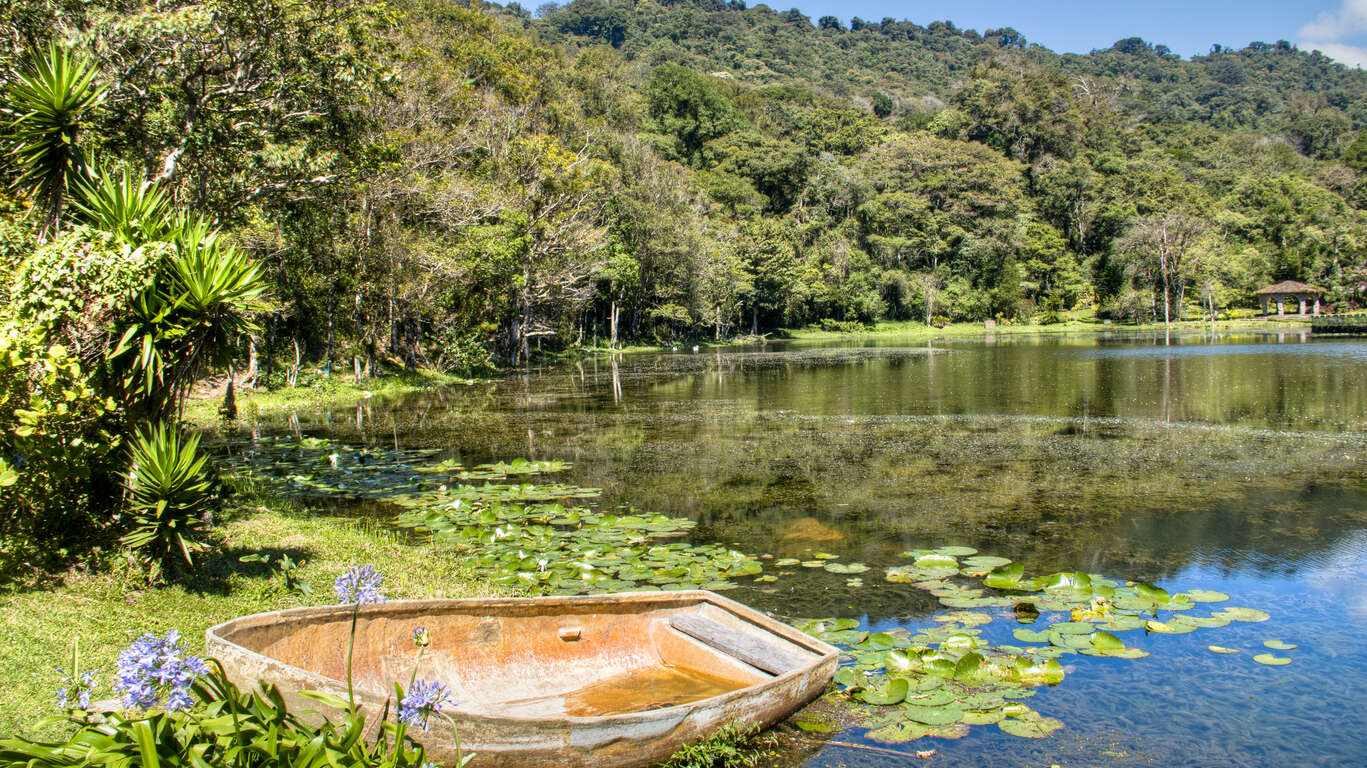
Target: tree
[[688, 108], [1160, 246]]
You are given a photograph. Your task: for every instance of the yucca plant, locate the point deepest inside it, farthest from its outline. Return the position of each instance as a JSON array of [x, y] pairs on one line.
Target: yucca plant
[[45, 105], [168, 494], [133, 208], [188, 321]]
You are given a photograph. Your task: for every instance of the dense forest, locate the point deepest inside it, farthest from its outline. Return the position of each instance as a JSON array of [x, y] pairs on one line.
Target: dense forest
[[429, 183]]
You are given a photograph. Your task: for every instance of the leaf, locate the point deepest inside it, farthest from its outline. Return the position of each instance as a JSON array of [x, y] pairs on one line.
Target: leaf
[[1243, 614], [1030, 727], [1206, 596], [1279, 645], [897, 733], [892, 693], [1271, 661]]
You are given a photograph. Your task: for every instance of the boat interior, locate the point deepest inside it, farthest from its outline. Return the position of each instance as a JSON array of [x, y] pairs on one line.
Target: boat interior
[[534, 661]]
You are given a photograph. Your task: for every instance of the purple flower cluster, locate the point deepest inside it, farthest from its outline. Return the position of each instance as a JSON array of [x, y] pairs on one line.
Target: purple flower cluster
[[420, 637], [153, 667], [74, 692], [424, 699], [360, 584]]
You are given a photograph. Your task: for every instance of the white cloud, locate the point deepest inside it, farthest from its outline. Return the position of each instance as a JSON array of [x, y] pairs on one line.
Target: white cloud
[[1330, 32], [1332, 26], [1351, 55]]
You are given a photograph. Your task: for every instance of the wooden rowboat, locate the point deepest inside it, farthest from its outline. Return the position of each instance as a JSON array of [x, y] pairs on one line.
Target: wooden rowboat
[[602, 681]]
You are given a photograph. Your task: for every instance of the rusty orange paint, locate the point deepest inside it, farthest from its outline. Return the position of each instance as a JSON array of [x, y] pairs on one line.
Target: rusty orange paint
[[602, 681]]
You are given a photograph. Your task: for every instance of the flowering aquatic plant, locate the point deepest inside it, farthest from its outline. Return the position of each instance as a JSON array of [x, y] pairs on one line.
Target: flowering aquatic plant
[[74, 691], [360, 585], [423, 699], [153, 667]]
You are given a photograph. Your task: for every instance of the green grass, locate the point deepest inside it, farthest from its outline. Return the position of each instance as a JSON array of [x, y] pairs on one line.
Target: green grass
[[915, 329], [107, 610]]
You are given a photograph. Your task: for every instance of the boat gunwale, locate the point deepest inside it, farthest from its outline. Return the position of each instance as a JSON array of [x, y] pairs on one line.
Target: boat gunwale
[[687, 598]]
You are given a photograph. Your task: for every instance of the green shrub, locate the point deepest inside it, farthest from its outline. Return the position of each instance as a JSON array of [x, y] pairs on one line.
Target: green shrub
[[168, 495], [55, 441], [77, 287]]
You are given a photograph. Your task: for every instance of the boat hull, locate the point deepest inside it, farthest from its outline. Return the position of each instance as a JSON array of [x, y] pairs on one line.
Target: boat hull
[[603, 681]]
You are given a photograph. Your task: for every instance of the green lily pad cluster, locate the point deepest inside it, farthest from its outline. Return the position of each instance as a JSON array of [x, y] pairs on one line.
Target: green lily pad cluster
[[317, 468], [550, 549], [942, 680], [520, 531], [937, 682]]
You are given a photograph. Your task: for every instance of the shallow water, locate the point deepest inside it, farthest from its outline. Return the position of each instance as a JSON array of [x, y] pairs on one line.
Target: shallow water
[[1233, 463]]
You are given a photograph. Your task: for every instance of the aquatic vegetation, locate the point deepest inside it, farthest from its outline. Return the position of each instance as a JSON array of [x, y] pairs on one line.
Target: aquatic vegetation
[[939, 681]]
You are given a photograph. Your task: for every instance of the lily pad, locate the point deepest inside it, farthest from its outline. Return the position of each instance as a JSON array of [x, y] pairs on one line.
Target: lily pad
[[1030, 727], [898, 733], [955, 551], [1271, 661], [1279, 645], [931, 715], [1244, 614], [1222, 649], [815, 726], [892, 693], [1206, 595], [986, 561], [1031, 636], [1072, 627]]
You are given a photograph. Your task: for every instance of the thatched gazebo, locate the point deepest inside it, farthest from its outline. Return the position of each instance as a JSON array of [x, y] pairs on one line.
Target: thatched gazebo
[[1289, 290]]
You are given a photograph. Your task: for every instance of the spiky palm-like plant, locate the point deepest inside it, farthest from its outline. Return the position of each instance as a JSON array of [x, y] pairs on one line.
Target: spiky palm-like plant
[[45, 106], [187, 322], [135, 209], [168, 493]]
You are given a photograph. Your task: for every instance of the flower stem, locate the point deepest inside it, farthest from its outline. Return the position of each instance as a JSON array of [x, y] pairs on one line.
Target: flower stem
[[350, 649]]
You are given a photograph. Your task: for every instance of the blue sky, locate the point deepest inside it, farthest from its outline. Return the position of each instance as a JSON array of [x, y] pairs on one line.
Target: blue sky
[[1336, 27]]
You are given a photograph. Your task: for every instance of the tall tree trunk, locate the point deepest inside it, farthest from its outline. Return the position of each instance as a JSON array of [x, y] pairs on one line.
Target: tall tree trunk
[[332, 308]]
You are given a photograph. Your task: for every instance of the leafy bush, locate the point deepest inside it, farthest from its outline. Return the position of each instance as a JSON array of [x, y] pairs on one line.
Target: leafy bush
[[54, 439], [169, 494], [77, 286], [1052, 309]]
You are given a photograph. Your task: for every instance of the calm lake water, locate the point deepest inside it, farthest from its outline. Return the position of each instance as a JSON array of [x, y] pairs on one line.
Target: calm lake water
[[1233, 463]]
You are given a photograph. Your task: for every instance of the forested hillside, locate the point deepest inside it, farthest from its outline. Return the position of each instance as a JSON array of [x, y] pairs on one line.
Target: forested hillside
[[426, 183]]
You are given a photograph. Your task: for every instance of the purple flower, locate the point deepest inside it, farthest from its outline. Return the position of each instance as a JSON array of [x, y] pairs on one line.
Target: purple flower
[[360, 584], [153, 667], [420, 637], [424, 699], [76, 689]]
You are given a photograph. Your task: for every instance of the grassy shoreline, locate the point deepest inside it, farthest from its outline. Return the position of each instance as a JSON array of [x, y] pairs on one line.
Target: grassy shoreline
[[921, 331], [107, 608]]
